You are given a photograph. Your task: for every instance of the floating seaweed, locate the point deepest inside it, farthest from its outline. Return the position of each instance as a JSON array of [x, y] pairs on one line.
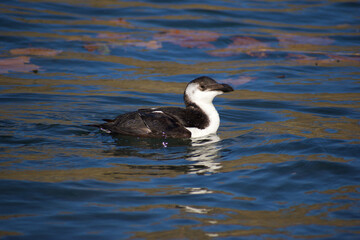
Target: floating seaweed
[[35, 51], [242, 45], [188, 38], [17, 64]]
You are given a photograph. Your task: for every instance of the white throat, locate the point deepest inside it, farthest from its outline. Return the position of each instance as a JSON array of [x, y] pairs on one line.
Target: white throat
[[214, 122], [203, 99]]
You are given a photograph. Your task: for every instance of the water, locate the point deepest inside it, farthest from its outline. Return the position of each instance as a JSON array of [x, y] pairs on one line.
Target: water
[[285, 161]]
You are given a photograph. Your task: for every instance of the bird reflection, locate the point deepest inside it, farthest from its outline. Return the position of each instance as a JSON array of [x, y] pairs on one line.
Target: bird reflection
[[204, 153]]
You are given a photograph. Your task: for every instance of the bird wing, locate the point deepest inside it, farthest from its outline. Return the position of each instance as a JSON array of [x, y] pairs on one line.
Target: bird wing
[[147, 123], [127, 124], [163, 124]]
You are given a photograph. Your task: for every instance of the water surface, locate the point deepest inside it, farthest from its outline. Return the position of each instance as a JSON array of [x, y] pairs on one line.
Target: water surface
[[285, 161]]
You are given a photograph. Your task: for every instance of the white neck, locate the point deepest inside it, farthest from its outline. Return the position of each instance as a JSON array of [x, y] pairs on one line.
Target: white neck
[[203, 99], [214, 121]]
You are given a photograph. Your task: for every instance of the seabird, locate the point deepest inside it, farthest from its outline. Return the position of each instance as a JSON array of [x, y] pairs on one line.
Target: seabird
[[199, 117]]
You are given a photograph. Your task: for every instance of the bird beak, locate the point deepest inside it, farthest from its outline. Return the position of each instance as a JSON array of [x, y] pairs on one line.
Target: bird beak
[[221, 87]]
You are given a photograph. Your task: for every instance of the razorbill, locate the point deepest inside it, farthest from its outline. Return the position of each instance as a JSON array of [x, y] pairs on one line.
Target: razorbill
[[199, 118]]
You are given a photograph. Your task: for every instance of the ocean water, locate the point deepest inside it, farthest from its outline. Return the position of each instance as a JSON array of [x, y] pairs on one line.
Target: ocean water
[[283, 165]]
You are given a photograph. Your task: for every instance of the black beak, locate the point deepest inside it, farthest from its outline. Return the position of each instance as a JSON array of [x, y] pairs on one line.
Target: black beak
[[226, 88], [221, 87]]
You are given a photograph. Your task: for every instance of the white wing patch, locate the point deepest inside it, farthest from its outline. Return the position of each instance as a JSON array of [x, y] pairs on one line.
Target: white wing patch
[[105, 130]]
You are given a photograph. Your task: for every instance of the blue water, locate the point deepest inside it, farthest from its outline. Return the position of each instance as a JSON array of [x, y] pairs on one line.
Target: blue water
[[283, 165]]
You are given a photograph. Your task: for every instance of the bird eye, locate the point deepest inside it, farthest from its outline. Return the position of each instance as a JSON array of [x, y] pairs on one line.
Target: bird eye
[[202, 87]]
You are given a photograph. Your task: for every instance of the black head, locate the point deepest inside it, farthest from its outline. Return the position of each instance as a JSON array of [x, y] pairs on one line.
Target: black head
[[209, 84], [203, 90]]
